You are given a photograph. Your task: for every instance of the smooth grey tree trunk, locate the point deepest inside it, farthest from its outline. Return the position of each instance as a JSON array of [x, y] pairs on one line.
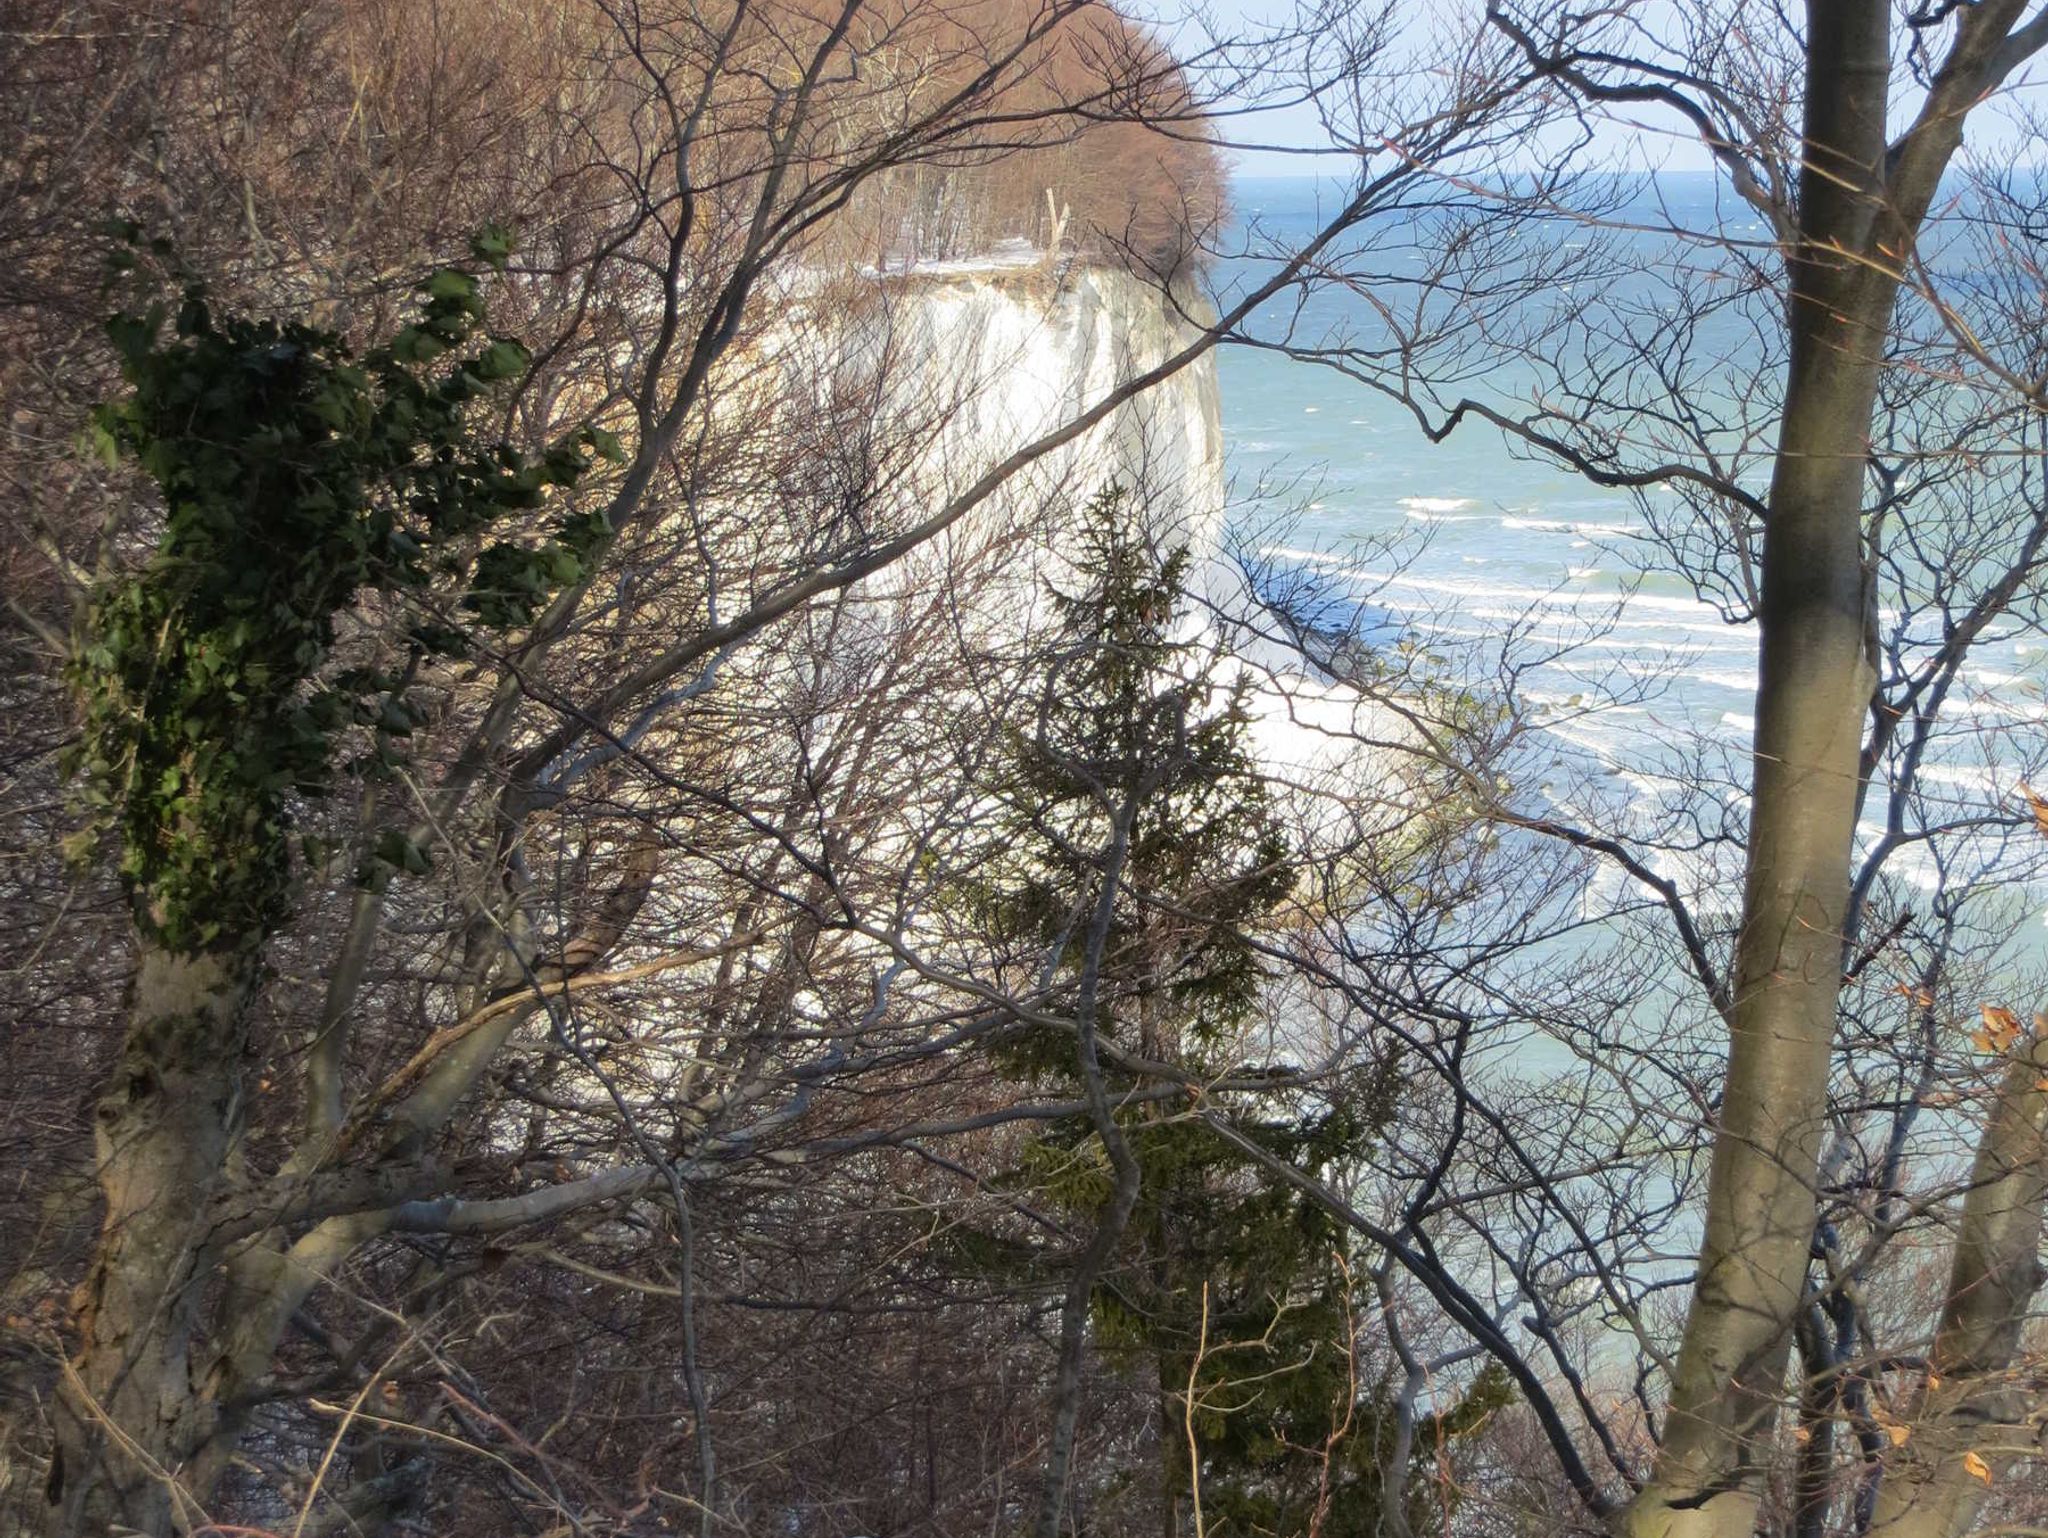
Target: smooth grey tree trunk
[[1814, 681], [1862, 202], [128, 1414], [1971, 1410]]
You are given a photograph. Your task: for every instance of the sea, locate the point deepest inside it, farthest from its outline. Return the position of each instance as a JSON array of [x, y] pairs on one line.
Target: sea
[[1515, 568]]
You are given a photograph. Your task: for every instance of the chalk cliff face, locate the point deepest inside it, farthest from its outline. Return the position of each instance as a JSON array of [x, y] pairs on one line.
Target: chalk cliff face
[[1027, 359], [953, 368], [919, 386]]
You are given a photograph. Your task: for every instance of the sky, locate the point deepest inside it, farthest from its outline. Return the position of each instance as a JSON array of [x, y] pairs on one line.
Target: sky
[[1643, 139]]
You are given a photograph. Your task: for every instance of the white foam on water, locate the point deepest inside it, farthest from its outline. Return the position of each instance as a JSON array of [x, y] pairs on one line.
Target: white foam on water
[[2008, 710], [1563, 526], [1743, 682], [1980, 777], [1585, 736], [1909, 863], [1436, 509], [1627, 633], [1664, 642], [1689, 613]]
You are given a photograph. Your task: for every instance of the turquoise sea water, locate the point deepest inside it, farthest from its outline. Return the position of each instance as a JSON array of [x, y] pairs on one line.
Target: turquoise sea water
[[1465, 541]]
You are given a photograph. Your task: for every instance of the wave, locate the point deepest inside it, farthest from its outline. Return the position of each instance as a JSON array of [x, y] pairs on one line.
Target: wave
[[1983, 708], [1986, 778], [1991, 678], [1564, 526], [1688, 613], [1743, 682], [1436, 509]]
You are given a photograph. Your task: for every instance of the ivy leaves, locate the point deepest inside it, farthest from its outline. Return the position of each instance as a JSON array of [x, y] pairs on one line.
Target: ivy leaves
[[296, 477]]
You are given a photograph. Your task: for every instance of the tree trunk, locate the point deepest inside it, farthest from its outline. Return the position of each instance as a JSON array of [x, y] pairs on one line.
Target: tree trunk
[[1172, 1446], [1970, 1406], [128, 1413], [1814, 682]]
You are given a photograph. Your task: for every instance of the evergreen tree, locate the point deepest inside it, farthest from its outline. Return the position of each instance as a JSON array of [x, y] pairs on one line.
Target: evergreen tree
[[1231, 1295]]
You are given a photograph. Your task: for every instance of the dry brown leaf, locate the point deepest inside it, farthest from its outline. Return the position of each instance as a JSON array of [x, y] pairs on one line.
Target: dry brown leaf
[[2038, 805], [2001, 1029], [1977, 1467], [1898, 1433]]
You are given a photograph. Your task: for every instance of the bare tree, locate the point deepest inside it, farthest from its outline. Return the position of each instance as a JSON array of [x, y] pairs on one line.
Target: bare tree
[[1830, 429], [613, 911]]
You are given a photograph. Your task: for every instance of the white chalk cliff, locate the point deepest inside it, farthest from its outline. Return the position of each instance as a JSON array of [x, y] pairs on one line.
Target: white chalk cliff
[[1026, 360], [963, 365], [955, 367]]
